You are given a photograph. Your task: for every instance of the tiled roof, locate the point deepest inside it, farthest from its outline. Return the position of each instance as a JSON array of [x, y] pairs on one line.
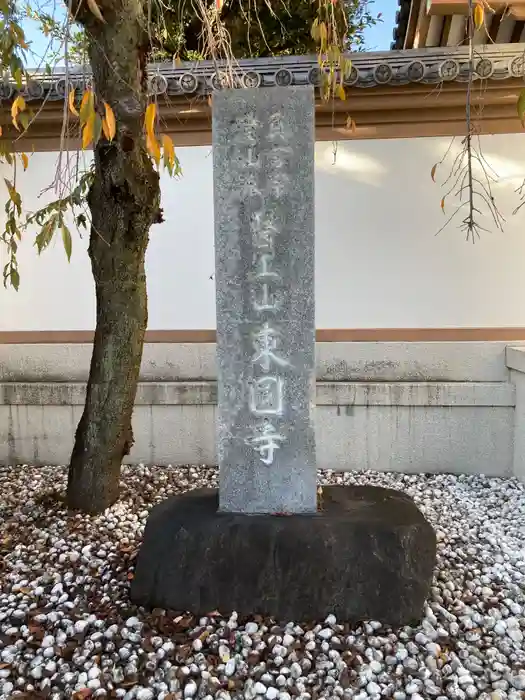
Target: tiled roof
[[401, 26], [426, 66]]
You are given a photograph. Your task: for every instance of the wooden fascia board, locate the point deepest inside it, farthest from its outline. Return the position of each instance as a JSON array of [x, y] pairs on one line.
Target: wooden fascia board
[[389, 112], [516, 8]]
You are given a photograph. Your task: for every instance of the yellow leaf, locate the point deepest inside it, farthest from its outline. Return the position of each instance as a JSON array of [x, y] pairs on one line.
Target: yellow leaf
[[87, 106], [105, 129], [521, 107], [433, 173], [88, 131], [153, 148], [110, 123], [443, 205], [71, 102], [314, 31], [346, 67], [25, 160], [149, 120], [479, 16], [19, 104], [169, 151], [341, 92], [323, 35], [95, 10]]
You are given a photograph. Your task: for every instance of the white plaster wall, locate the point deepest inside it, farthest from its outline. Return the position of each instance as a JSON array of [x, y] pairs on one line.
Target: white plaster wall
[[379, 263]]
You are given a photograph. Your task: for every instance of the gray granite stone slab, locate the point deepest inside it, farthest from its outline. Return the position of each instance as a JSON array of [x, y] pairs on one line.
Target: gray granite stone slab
[[263, 162]]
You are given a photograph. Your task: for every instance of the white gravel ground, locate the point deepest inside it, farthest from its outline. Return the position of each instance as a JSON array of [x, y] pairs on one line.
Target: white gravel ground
[[67, 629]]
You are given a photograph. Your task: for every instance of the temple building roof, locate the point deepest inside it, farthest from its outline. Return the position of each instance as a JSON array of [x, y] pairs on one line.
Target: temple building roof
[[429, 24]]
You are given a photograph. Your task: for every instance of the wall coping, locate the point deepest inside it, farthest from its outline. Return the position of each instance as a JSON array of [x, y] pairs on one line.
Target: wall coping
[[515, 358]]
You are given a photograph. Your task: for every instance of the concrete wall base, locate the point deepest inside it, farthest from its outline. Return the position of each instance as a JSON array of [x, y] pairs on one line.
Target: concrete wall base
[[420, 407]]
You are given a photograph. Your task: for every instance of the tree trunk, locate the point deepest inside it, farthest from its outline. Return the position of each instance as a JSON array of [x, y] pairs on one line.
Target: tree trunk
[[124, 201]]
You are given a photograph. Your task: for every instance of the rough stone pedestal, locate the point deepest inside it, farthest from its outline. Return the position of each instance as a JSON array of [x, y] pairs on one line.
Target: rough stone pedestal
[[369, 554]]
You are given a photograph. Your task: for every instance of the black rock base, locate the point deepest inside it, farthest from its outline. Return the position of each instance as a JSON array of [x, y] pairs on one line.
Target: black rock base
[[368, 554]]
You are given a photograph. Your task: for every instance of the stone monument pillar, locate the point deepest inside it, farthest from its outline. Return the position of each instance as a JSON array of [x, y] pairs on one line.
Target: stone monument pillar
[[259, 544], [263, 164]]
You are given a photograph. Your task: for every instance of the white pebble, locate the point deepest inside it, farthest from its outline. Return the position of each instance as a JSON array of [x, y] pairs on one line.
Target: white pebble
[[325, 633], [190, 689]]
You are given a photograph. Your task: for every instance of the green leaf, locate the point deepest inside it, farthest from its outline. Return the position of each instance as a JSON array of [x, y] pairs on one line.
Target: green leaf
[[97, 130], [24, 119], [17, 75], [66, 240], [15, 278], [44, 238], [81, 220]]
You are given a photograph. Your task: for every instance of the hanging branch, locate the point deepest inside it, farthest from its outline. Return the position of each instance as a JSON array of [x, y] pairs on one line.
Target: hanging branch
[[473, 191]]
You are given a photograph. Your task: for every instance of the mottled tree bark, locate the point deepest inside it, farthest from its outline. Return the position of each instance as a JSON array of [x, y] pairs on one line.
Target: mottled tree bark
[[124, 201]]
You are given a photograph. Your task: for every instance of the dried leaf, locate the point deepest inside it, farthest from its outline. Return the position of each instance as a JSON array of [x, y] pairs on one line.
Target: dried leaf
[[19, 104], [521, 107], [433, 172], [1, 131], [351, 125], [82, 694], [71, 102], [149, 120], [479, 16], [219, 4], [95, 10], [25, 160], [111, 125], [443, 205]]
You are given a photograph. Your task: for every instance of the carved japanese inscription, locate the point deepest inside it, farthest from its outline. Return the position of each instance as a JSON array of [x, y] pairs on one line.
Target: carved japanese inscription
[[264, 243]]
